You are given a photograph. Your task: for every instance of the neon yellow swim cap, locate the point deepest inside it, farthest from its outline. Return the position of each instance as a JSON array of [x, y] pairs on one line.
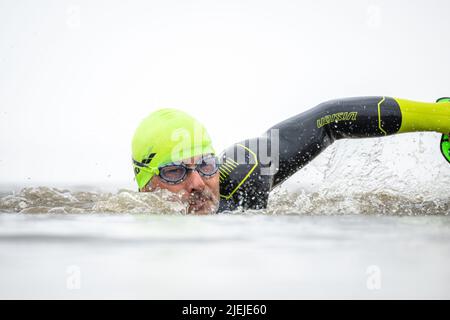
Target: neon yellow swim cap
[[165, 136]]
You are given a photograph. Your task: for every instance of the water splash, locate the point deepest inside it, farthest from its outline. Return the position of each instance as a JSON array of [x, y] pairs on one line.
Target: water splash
[[383, 202], [53, 200], [281, 202]]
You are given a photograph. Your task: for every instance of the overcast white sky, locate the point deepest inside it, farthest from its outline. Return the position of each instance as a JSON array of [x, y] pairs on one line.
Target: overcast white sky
[[76, 77]]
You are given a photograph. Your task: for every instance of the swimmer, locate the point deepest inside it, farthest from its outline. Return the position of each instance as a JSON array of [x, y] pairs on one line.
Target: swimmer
[[171, 150]]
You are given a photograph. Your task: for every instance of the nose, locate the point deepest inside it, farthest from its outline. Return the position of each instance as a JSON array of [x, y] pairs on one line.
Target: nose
[[194, 182]]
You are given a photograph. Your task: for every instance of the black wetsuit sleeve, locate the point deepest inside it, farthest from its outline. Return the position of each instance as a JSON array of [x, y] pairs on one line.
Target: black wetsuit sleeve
[[245, 176], [253, 167]]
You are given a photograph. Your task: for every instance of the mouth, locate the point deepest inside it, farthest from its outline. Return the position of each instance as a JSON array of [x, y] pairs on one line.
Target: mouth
[[200, 205]]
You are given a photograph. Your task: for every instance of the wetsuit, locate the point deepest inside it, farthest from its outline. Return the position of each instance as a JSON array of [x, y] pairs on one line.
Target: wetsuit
[[250, 169]]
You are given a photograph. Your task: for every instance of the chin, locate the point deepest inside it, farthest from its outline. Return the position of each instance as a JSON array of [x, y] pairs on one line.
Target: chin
[[203, 209]]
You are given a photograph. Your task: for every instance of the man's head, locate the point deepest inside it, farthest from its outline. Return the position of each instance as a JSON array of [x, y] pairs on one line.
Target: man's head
[[171, 150]]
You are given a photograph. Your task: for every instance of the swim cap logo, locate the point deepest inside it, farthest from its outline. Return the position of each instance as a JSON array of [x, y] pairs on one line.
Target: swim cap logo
[[144, 162], [150, 157]]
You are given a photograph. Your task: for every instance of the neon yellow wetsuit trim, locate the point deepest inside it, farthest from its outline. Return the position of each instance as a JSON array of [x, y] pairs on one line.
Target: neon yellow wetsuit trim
[[424, 116]]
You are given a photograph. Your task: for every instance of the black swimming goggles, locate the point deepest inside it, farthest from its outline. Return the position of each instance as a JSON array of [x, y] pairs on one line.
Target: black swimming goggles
[[176, 172]]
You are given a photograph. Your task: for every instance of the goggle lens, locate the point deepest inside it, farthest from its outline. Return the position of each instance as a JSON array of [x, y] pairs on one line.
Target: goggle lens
[[175, 173], [172, 173], [208, 166]]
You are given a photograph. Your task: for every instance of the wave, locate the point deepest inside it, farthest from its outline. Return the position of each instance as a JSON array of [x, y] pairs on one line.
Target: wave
[[62, 201]]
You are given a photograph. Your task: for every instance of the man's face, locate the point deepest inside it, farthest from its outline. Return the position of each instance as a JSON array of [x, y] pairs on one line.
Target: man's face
[[202, 193]]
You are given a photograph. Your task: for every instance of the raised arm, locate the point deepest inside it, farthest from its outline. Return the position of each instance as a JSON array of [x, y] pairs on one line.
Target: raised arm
[[253, 167], [304, 136]]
